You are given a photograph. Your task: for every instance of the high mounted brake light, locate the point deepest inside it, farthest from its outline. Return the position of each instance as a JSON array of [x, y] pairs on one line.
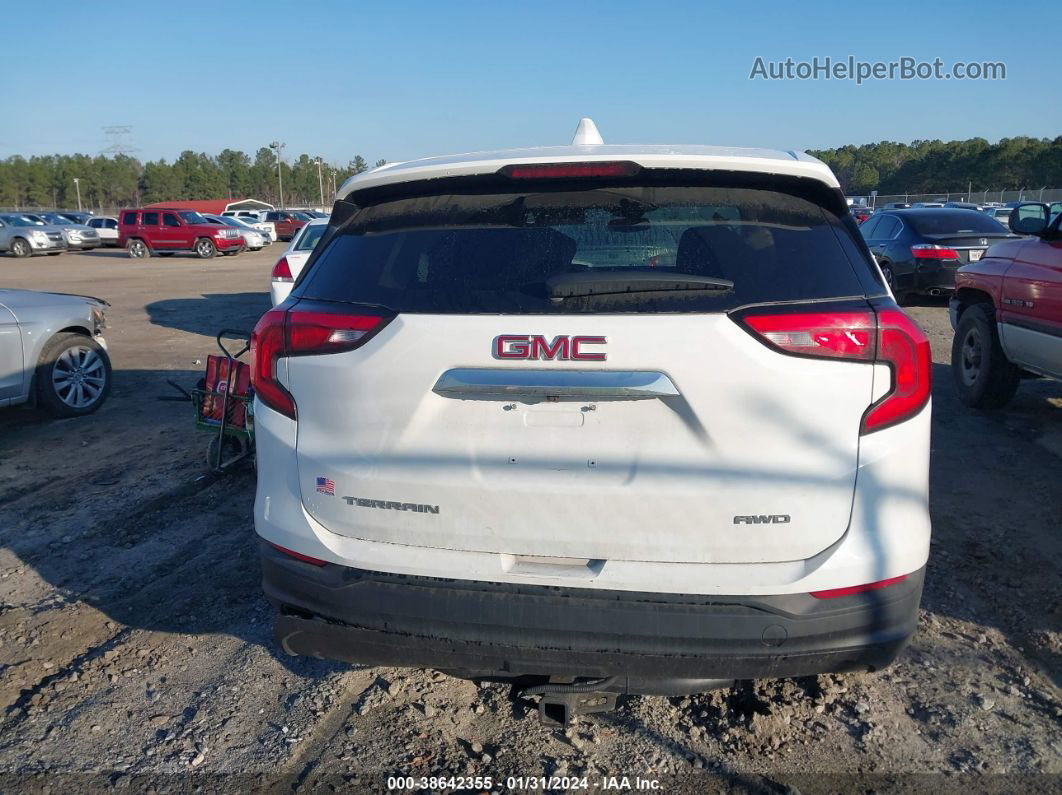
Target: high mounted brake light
[[283, 333], [883, 336], [570, 170]]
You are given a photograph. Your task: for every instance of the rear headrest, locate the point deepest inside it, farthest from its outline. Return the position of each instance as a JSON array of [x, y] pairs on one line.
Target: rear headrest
[[507, 255], [711, 250]]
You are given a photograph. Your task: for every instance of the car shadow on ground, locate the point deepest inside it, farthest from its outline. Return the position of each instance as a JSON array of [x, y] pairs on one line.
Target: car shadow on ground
[[118, 511], [201, 315]]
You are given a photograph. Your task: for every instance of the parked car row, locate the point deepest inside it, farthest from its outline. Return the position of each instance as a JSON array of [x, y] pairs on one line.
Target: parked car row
[[862, 212], [285, 223], [150, 230], [26, 234]]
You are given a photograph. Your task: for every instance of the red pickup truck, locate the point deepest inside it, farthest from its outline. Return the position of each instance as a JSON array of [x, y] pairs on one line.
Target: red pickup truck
[[1007, 311]]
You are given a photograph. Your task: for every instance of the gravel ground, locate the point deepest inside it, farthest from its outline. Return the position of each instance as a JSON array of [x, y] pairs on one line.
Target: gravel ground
[[136, 650]]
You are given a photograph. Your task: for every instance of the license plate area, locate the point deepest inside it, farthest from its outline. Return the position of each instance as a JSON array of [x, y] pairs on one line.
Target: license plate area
[[976, 254]]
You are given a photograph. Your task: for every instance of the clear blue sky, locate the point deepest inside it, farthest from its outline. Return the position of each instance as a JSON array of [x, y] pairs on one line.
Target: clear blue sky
[[399, 80]]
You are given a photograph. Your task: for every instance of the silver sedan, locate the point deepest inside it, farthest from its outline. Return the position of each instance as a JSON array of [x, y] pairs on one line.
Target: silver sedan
[[52, 352]]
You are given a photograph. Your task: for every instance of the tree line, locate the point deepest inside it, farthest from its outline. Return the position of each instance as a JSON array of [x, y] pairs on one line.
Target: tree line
[[939, 166], [110, 182]]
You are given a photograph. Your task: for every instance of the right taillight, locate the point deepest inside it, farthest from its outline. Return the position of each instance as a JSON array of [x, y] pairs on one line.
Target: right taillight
[[883, 335], [905, 348], [282, 271], [285, 333]]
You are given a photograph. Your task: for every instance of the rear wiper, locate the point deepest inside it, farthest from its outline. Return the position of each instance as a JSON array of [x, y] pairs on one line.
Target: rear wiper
[[367, 305], [575, 285]]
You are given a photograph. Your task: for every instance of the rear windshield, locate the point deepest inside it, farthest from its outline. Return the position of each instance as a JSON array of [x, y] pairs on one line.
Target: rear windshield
[[309, 238], [955, 222], [599, 250]]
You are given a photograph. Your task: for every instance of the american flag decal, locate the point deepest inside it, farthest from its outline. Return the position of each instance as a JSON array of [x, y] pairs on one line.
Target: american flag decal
[[326, 486]]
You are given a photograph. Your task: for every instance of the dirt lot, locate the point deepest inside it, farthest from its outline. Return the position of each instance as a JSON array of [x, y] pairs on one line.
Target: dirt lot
[[135, 647]]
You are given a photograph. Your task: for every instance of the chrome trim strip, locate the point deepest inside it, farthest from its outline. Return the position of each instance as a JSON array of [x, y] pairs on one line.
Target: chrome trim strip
[[510, 382]]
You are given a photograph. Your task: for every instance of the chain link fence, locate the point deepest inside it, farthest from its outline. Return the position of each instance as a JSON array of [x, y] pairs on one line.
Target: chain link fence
[[972, 196]]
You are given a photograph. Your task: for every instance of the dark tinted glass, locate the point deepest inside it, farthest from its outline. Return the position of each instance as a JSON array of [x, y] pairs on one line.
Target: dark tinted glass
[[129, 218], [955, 222], [868, 226], [150, 219], [169, 219], [887, 228], [506, 252]]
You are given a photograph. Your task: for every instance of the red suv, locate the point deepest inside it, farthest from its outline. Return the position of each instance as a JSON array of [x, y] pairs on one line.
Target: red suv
[[287, 222], [1007, 311], [155, 230]]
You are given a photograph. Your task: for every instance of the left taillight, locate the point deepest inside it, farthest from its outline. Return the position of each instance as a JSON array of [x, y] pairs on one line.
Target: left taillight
[[286, 333], [883, 335], [282, 271]]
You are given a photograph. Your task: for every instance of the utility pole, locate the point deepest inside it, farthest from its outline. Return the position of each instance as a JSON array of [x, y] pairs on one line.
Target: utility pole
[[320, 181], [77, 186], [278, 146]]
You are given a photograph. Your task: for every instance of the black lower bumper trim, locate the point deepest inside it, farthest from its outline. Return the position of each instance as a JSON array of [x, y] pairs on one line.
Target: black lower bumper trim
[[654, 643]]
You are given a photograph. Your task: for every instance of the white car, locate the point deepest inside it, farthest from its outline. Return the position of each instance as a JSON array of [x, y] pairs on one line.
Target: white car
[[290, 264], [504, 431], [252, 238], [106, 227], [254, 219]]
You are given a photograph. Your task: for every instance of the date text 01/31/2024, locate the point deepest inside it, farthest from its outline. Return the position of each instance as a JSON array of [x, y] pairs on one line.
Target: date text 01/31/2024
[[518, 783]]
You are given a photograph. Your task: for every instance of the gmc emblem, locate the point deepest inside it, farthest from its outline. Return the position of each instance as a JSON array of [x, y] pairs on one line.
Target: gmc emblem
[[535, 346]]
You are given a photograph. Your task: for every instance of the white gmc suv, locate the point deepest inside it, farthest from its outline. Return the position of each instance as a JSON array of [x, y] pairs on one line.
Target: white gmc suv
[[622, 419]]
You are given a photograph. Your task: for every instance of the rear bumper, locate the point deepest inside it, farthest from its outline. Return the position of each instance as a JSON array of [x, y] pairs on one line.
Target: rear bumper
[[935, 277], [507, 630]]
